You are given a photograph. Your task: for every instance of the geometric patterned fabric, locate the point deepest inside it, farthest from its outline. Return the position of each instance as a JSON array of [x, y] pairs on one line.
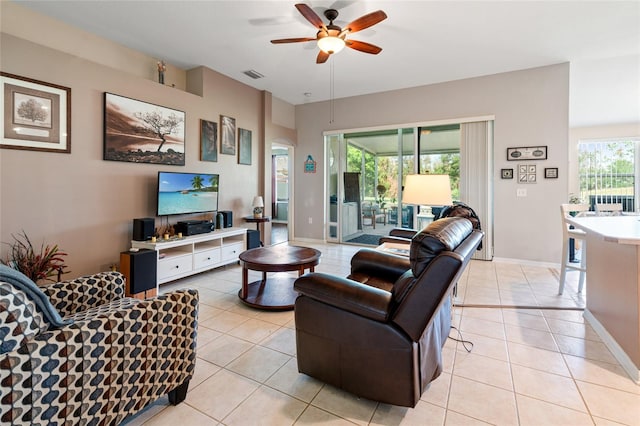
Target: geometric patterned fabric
[[117, 356]]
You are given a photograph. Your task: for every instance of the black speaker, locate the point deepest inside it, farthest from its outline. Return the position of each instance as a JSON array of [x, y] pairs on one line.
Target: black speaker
[[228, 218], [143, 228], [253, 239], [140, 270]]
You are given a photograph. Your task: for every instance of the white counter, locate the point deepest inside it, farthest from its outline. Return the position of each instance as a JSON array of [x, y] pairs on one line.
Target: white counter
[[613, 285], [616, 229]]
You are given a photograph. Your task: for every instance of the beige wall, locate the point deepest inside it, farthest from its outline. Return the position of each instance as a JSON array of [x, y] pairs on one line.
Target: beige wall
[[85, 204], [530, 109]]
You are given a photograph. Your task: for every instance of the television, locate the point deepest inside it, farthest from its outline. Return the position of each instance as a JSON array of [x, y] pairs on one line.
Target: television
[[185, 193]]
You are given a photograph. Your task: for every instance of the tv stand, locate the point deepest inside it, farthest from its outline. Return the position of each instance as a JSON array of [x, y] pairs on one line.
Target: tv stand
[[181, 257]]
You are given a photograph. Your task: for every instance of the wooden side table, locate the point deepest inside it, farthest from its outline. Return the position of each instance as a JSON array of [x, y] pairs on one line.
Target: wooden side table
[[257, 221], [275, 293]]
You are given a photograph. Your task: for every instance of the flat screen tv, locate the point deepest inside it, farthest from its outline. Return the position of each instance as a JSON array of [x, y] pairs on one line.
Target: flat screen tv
[[185, 193]]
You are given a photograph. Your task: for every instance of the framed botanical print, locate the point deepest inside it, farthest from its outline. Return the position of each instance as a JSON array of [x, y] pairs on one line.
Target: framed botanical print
[[244, 146], [35, 115]]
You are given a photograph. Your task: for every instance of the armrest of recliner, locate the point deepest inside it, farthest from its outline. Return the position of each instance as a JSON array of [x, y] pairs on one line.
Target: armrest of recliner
[[392, 239], [375, 263], [346, 294], [403, 233]]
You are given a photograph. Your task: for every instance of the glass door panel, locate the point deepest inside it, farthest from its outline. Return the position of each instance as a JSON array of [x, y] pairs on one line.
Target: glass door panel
[[332, 144]]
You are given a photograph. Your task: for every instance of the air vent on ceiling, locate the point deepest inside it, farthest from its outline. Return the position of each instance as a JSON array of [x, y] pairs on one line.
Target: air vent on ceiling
[[253, 74]]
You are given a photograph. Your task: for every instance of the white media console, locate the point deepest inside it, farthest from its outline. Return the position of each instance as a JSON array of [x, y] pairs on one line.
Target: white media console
[[181, 257]]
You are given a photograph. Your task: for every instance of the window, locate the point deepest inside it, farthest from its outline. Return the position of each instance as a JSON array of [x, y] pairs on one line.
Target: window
[[607, 171]]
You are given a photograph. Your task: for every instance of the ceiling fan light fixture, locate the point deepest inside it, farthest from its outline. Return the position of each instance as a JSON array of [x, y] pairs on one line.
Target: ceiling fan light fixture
[[331, 44]]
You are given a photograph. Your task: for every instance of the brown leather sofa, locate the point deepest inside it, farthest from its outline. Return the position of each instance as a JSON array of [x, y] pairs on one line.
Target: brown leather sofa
[[379, 332]]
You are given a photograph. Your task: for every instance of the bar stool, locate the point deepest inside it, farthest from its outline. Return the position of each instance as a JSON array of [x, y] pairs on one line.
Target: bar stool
[[608, 209], [576, 234]]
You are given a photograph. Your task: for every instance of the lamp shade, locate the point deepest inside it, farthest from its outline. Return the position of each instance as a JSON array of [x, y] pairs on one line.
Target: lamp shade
[[258, 201], [332, 42], [427, 190]]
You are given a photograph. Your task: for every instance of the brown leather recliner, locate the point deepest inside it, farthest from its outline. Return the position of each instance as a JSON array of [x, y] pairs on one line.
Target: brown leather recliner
[[379, 333]]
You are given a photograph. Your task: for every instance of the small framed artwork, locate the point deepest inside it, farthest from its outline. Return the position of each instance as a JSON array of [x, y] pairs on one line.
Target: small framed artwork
[[244, 146], [227, 135], [140, 132], [310, 165], [208, 141], [36, 116], [506, 173], [527, 153], [551, 173], [527, 173]]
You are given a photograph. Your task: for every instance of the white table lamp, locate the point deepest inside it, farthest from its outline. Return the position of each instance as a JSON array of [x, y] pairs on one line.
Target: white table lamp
[[427, 191], [258, 206]]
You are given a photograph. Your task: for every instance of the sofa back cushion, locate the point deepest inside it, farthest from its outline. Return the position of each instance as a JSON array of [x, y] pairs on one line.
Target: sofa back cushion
[[20, 320], [442, 234]]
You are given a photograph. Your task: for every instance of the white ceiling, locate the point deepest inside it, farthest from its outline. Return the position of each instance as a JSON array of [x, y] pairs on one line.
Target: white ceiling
[[423, 42]]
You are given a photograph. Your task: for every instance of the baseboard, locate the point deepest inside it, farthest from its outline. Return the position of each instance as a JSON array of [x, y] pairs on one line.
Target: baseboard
[[527, 262], [617, 351], [308, 240]]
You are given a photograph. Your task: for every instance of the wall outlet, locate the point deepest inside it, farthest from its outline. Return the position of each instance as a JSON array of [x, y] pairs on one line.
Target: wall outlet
[[521, 192], [310, 220]]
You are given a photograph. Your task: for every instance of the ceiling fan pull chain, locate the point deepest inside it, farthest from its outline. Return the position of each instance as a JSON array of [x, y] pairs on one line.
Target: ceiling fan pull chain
[[331, 92]]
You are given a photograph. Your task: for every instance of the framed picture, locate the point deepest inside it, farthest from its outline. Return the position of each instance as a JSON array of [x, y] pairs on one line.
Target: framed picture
[[140, 132], [527, 153], [506, 173], [36, 116], [208, 141], [244, 146], [551, 173], [227, 135], [527, 173]]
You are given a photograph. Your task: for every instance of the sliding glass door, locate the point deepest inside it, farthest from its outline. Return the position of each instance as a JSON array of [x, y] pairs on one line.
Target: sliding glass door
[[366, 173]]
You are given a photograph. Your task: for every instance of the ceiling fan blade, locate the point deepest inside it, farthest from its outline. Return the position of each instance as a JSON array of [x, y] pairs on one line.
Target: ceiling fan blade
[[365, 21], [322, 57], [310, 16], [292, 40], [363, 47]]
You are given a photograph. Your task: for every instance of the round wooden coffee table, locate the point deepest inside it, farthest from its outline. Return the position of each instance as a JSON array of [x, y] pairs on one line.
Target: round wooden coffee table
[[275, 293]]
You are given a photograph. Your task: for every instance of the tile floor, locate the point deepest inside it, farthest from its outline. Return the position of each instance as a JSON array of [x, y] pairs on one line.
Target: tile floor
[[527, 366]]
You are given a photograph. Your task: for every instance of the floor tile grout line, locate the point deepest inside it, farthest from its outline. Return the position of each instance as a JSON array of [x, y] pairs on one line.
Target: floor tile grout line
[[278, 326]]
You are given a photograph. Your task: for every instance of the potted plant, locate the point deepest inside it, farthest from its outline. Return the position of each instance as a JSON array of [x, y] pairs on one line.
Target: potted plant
[[47, 263], [381, 190]]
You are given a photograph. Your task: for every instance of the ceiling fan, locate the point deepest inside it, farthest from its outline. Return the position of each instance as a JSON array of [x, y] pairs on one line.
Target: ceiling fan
[[331, 38]]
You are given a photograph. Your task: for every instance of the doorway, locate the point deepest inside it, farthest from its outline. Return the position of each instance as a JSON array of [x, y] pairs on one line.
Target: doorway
[[381, 160], [280, 192]]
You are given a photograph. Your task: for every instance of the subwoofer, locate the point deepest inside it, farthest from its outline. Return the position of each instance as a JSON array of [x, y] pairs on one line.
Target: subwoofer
[[228, 218], [140, 271], [253, 239], [143, 228]]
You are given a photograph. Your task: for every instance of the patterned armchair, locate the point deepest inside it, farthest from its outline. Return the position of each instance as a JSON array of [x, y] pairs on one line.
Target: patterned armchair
[[78, 352]]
